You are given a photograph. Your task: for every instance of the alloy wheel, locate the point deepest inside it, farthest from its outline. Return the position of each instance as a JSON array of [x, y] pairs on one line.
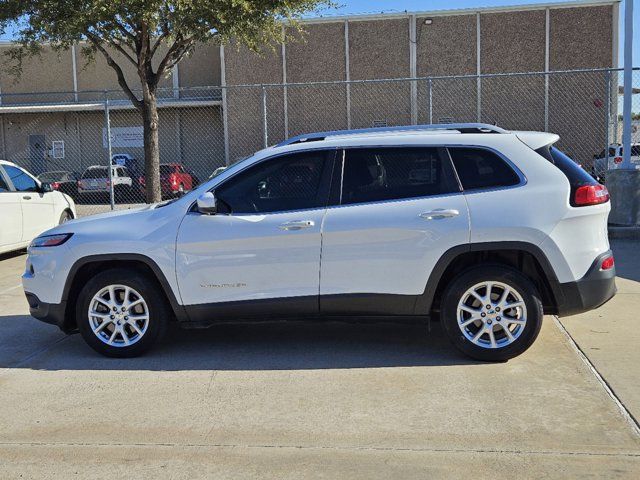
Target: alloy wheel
[[118, 315], [491, 314]]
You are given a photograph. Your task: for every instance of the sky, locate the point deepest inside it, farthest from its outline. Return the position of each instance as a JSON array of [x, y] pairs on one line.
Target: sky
[[347, 7]]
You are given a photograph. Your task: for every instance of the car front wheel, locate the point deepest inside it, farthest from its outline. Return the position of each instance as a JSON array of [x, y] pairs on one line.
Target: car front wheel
[[121, 313], [492, 313]]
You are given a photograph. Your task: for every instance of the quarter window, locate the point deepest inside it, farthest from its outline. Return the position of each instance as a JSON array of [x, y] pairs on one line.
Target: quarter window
[[372, 175], [478, 168], [292, 182], [21, 181]]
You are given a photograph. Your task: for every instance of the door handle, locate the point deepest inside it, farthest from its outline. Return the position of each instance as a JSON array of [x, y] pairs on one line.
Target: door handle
[[26, 197], [439, 214], [297, 225]]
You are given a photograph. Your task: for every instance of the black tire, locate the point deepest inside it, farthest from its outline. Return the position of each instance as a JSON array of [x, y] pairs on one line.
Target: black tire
[[507, 276], [65, 217], [159, 311]]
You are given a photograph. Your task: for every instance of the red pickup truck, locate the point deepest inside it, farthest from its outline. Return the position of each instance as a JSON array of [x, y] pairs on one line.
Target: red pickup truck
[[175, 180]]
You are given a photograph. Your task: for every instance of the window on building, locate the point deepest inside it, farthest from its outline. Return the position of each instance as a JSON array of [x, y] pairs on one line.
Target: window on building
[[478, 168], [372, 175], [21, 181], [291, 182]]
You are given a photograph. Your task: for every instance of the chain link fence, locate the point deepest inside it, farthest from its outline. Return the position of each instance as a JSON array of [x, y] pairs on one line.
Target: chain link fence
[[69, 139]]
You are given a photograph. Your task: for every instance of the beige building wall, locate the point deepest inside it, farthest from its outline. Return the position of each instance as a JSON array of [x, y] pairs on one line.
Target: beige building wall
[[245, 105], [578, 102], [317, 56], [446, 47], [379, 49], [50, 71], [513, 42], [201, 68]]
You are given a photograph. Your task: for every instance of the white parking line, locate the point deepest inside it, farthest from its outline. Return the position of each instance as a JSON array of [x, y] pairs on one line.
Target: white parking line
[[10, 289]]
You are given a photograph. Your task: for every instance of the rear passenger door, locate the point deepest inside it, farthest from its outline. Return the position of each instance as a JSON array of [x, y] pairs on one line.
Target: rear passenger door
[[497, 209], [399, 210]]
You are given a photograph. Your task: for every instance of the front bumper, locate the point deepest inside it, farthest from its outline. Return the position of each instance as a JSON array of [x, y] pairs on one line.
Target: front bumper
[[591, 291], [52, 313]]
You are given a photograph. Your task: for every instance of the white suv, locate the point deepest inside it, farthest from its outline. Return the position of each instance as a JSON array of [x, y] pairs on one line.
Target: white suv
[[481, 228]]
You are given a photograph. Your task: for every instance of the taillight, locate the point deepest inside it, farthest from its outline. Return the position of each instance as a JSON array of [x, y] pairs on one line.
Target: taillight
[[55, 185], [617, 160], [607, 263], [590, 195], [141, 180]]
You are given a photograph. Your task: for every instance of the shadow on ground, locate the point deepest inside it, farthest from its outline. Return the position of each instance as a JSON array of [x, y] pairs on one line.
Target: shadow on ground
[[625, 251], [264, 346]]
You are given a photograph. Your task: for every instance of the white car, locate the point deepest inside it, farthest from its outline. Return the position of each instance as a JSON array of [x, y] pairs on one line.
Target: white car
[[95, 182], [28, 207], [481, 228]]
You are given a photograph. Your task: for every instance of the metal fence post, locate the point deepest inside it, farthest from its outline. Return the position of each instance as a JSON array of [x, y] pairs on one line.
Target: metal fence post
[[264, 117], [430, 101], [607, 121], [109, 165]]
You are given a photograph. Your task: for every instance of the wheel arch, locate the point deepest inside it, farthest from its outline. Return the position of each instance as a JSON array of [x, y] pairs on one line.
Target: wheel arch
[[526, 257], [82, 269]]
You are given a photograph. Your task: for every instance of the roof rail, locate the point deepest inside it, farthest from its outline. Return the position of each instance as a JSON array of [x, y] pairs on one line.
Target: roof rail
[[461, 127]]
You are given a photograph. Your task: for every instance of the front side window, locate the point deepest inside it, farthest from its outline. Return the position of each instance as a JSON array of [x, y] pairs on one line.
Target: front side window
[[379, 174], [291, 182], [21, 181], [479, 168]]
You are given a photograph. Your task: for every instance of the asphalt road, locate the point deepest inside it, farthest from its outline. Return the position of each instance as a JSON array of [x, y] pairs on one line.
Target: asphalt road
[[320, 400]]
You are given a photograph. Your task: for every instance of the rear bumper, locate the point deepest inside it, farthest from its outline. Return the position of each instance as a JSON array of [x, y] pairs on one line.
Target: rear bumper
[[52, 313], [591, 291]]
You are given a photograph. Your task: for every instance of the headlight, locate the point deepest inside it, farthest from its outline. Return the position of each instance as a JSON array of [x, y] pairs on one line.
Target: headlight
[[50, 240]]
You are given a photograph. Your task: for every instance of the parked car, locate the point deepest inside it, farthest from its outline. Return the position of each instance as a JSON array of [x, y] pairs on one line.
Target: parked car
[[61, 180], [616, 154], [28, 207], [469, 224], [94, 184], [175, 180]]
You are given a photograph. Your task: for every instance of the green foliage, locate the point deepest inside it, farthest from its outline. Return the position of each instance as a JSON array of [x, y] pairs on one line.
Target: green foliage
[[140, 30]]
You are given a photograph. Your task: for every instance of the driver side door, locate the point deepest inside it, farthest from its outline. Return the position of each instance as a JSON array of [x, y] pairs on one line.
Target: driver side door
[[260, 253]]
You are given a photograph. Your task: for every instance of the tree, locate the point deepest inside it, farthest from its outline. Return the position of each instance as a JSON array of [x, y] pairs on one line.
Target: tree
[[145, 33]]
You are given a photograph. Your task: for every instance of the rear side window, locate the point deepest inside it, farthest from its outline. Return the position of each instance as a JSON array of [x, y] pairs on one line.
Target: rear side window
[[576, 175], [478, 168], [372, 175]]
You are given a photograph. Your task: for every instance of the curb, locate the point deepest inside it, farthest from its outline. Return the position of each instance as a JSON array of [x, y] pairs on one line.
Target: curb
[[618, 232]]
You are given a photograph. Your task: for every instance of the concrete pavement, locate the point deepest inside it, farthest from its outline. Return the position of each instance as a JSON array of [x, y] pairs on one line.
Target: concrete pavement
[[314, 401]]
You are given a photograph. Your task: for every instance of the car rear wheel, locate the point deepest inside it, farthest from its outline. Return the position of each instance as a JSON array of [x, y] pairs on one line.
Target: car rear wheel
[[121, 313], [492, 313], [65, 217]]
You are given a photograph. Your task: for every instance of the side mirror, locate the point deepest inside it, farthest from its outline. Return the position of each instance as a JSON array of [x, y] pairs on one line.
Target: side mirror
[[207, 204], [46, 188]]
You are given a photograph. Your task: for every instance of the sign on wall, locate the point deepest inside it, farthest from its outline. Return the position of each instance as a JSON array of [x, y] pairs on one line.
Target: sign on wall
[[123, 137], [57, 149]]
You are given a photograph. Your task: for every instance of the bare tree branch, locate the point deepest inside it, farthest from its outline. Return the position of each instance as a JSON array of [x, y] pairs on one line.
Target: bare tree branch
[[122, 81]]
